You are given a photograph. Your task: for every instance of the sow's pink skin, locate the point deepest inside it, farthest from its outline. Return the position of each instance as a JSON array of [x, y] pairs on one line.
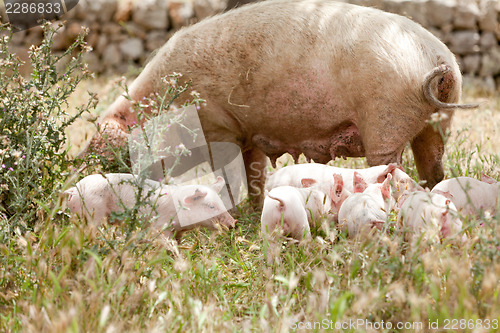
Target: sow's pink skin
[[308, 83], [173, 208], [470, 195]]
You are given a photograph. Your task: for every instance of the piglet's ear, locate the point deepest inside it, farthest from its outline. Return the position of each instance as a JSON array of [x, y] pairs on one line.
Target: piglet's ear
[[488, 179], [386, 187], [337, 178], [445, 225], [444, 218], [446, 194], [359, 183], [69, 193], [191, 199], [307, 182], [379, 224], [389, 170], [401, 200], [337, 188], [218, 185]]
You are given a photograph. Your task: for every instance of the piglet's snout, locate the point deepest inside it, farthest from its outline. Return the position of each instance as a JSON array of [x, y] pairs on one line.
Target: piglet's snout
[[226, 220]]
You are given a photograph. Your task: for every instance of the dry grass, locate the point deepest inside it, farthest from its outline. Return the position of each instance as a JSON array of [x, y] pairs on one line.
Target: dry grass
[[84, 128], [480, 127], [67, 276]]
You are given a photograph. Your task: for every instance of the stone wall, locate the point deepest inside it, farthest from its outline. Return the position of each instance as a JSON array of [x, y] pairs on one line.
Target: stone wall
[[123, 33]]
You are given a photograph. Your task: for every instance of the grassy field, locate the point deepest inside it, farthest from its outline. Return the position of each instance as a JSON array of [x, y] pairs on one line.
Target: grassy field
[[67, 276]]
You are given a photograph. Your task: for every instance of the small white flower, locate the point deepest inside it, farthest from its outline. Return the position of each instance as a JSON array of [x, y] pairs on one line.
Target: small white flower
[[17, 155], [5, 140], [435, 117]]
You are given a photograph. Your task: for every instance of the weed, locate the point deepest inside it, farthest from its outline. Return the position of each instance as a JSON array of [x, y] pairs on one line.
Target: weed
[[33, 118]]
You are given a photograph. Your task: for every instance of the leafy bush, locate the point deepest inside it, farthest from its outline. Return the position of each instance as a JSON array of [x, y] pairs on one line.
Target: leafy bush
[[33, 118]]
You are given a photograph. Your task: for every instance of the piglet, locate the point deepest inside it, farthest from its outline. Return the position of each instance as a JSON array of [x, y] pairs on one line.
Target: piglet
[[293, 175], [96, 196], [293, 208], [335, 192], [367, 207], [173, 208], [471, 195], [431, 214]]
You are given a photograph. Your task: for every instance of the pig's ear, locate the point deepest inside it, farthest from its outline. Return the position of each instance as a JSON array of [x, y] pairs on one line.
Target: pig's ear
[[488, 179], [401, 200], [445, 226], [379, 224], [444, 218], [359, 183], [191, 199], [337, 178], [219, 184], [386, 187], [446, 194], [338, 187], [389, 170], [69, 193], [307, 182]]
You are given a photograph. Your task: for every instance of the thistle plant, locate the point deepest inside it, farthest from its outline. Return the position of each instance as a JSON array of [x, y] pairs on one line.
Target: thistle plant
[[33, 118]]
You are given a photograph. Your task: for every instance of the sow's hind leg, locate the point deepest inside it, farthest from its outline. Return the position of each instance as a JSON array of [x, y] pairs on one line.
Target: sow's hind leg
[[428, 149], [385, 134]]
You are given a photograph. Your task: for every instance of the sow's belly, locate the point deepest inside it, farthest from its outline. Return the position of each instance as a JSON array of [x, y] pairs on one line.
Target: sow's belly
[[287, 111], [302, 114], [343, 141]]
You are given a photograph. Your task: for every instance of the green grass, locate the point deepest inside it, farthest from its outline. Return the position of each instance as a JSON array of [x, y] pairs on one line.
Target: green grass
[[68, 276]]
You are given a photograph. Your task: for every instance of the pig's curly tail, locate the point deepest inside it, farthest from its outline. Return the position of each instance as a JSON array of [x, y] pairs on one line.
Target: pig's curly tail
[[282, 203], [441, 71]]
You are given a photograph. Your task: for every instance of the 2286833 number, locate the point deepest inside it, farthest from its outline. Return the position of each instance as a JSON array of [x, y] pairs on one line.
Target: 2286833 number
[[33, 8], [455, 324]]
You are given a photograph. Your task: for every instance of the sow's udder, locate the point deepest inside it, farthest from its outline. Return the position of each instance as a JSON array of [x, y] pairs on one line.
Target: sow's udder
[[344, 141]]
